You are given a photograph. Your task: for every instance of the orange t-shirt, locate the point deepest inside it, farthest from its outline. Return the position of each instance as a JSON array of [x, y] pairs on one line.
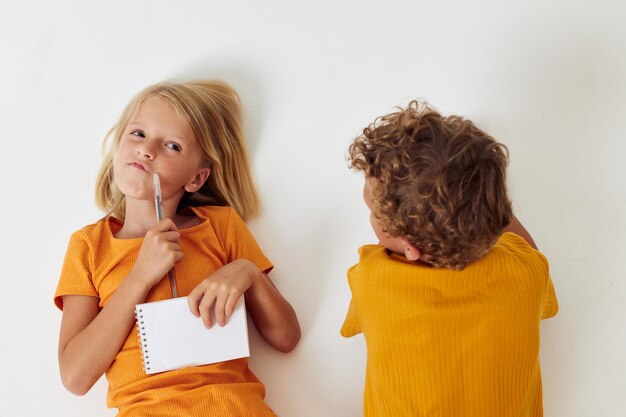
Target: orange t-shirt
[[96, 263], [446, 343]]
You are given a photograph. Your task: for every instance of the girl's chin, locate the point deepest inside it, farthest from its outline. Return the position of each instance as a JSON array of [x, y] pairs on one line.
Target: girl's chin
[[137, 193]]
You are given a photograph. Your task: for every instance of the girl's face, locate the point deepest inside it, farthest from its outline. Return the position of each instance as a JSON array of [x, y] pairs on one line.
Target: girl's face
[[158, 140]]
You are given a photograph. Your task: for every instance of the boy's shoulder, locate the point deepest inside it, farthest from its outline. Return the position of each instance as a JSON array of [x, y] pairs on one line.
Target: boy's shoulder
[[514, 245], [509, 246], [368, 250], [378, 256], [514, 240]]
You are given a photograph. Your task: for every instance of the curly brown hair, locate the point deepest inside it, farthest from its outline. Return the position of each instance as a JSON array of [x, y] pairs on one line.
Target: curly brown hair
[[440, 182]]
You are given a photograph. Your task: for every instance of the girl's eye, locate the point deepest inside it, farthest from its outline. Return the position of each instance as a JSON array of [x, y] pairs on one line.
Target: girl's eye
[[138, 133], [174, 147]]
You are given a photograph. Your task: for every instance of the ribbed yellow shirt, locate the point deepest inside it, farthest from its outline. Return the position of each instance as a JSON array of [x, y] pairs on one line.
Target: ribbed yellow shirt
[[96, 263], [448, 343]]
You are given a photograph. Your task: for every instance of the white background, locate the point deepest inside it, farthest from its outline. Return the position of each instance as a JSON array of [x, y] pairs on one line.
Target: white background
[[547, 78]]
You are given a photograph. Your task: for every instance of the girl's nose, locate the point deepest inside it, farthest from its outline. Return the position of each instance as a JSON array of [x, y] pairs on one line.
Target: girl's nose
[[146, 151]]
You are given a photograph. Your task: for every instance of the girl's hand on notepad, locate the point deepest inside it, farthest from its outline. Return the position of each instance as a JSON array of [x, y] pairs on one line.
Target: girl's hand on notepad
[[222, 288], [159, 252]]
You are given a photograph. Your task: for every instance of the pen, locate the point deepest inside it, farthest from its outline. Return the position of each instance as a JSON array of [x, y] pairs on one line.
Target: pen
[[158, 204]]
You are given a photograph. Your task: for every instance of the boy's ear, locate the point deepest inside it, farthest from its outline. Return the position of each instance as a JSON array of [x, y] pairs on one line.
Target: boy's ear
[[198, 181], [410, 251]]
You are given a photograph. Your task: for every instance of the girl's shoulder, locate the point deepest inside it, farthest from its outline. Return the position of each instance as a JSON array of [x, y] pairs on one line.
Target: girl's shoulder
[[94, 231], [212, 212], [212, 219]]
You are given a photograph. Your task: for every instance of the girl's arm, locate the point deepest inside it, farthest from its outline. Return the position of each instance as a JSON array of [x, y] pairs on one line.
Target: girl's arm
[[273, 316], [91, 338]]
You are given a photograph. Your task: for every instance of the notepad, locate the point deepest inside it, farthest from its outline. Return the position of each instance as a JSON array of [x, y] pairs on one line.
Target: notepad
[[172, 338]]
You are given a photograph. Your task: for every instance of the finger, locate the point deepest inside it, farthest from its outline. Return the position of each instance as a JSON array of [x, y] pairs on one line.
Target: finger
[[231, 303], [165, 225], [159, 234], [205, 309], [172, 247], [171, 236], [193, 300], [171, 257], [220, 304]]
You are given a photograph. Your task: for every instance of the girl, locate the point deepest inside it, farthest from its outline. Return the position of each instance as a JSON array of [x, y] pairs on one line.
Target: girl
[[190, 134]]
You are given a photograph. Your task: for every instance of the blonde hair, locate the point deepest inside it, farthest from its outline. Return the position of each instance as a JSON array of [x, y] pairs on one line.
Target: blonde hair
[[212, 109]]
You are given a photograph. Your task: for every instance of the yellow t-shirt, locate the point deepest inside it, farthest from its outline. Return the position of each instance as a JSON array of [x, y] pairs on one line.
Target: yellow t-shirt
[[447, 343], [96, 263]]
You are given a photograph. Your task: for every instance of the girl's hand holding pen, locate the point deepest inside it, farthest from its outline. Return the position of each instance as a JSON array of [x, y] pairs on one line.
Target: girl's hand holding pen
[[158, 254], [222, 288]]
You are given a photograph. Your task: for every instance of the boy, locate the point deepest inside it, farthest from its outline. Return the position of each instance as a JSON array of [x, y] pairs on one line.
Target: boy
[[450, 299]]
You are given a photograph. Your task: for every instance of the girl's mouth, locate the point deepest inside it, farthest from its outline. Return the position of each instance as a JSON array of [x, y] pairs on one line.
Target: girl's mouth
[[138, 166]]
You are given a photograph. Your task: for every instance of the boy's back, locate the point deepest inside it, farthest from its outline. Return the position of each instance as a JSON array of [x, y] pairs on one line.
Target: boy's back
[[452, 343], [450, 300]]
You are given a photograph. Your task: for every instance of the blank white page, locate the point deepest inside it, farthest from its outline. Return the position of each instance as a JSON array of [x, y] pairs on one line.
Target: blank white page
[[172, 338]]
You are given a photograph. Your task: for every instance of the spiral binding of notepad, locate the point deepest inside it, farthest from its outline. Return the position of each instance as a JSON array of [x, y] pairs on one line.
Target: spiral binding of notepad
[[145, 362]]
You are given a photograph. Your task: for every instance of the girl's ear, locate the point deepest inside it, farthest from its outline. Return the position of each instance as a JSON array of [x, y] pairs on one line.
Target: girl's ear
[[410, 252], [198, 181]]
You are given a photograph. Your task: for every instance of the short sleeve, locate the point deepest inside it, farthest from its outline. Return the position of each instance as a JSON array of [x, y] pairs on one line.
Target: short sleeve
[[240, 244], [76, 276], [550, 303], [549, 306], [351, 324]]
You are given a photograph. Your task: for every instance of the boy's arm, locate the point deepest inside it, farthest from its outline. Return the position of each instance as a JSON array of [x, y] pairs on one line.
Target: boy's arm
[[516, 227]]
